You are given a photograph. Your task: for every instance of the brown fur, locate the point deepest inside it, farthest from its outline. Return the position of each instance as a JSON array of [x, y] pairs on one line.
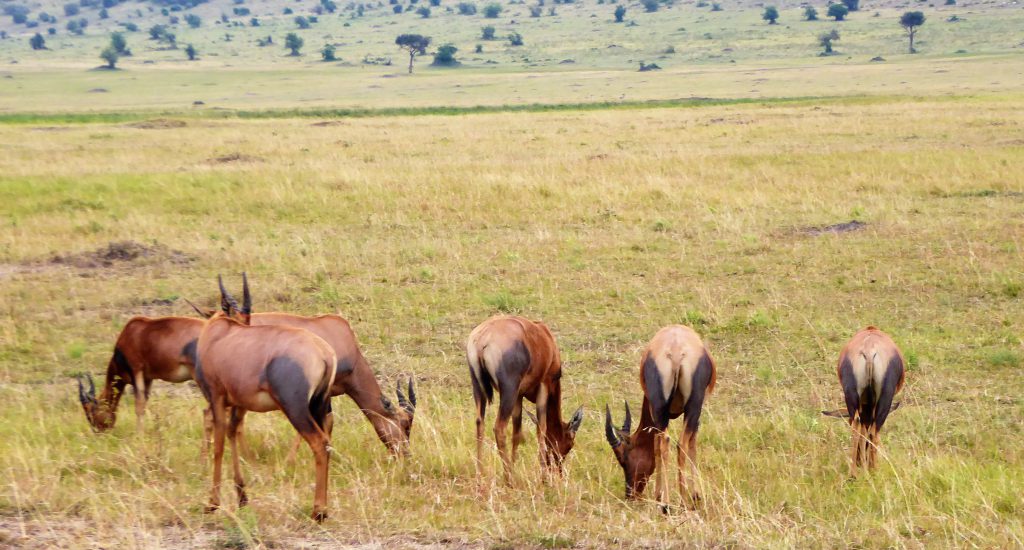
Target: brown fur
[[264, 368], [869, 387], [677, 354], [153, 349], [492, 351]]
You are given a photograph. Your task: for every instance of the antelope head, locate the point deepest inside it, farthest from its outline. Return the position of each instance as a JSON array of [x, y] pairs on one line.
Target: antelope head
[[637, 460]]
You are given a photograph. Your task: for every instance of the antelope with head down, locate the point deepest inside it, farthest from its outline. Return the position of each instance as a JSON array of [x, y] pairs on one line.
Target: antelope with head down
[[243, 368], [519, 358], [146, 350], [676, 373], [353, 377], [871, 373]]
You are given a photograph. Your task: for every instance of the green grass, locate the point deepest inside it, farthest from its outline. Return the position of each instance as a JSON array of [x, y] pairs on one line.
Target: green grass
[[606, 224]]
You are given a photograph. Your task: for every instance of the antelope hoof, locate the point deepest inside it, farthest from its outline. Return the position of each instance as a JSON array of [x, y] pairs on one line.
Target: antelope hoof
[[319, 515], [211, 508], [243, 499], [664, 508]]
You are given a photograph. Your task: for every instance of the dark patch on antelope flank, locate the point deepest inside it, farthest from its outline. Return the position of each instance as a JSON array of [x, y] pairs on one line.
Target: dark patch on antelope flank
[[344, 367], [514, 364], [849, 383], [122, 253], [157, 124], [846, 227], [659, 403], [698, 389], [189, 351], [124, 369]]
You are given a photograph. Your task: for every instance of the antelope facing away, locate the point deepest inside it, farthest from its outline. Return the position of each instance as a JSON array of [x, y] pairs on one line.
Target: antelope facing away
[[519, 358], [871, 372], [353, 377], [264, 368], [146, 350], [676, 373]]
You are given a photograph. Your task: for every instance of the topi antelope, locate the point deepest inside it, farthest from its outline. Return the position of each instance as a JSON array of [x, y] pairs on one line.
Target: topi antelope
[[243, 368], [146, 350], [519, 358], [353, 377], [871, 373], [676, 373]]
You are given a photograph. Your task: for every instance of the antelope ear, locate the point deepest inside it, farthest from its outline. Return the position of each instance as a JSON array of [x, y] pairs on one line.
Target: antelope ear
[[577, 419], [204, 314], [838, 413], [386, 403], [531, 416]]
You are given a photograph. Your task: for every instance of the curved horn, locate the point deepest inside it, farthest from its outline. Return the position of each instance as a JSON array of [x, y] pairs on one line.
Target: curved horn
[[81, 390], [92, 388], [402, 401], [576, 420], [628, 423], [199, 311], [227, 302], [412, 393], [609, 429], [246, 297]]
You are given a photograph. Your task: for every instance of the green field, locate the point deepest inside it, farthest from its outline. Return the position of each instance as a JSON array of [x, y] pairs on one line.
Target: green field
[[605, 201]]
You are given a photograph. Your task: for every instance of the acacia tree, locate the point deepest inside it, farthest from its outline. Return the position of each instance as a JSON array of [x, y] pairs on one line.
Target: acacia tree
[[910, 21], [110, 56], [770, 14], [191, 52], [838, 11], [620, 12], [415, 44], [810, 13], [37, 42], [294, 43], [826, 39]]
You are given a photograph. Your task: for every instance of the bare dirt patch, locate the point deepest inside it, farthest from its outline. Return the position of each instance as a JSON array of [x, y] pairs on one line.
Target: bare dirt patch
[[232, 158], [845, 227], [122, 252], [157, 124]]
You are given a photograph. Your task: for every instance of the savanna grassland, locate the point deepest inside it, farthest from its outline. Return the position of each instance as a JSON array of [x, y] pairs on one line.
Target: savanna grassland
[[606, 224], [552, 180]]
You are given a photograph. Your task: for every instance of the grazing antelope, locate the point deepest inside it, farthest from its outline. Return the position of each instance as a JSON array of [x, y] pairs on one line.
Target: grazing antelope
[[519, 358], [353, 377], [243, 368], [676, 374], [146, 350], [871, 373]]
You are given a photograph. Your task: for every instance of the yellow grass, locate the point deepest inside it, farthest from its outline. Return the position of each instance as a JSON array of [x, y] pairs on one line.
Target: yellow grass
[[607, 225]]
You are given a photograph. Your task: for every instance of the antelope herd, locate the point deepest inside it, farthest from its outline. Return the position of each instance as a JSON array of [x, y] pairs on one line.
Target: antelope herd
[[261, 362]]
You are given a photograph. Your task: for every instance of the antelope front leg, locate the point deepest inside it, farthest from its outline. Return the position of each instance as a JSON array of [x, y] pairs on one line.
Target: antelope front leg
[[855, 448], [542, 429], [141, 394], [874, 441]]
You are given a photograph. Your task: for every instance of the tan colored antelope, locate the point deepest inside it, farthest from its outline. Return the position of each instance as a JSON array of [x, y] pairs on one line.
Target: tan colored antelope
[[353, 377], [245, 368], [871, 372], [676, 373], [147, 349], [519, 358]]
